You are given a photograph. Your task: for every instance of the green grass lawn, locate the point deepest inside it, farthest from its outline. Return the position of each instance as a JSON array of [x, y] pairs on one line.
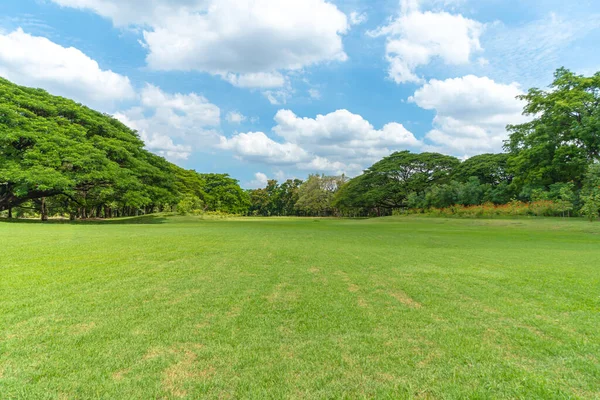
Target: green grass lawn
[[300, 308]]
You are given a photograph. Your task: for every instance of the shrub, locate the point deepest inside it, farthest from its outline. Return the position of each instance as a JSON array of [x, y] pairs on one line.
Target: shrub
[[539, 208], [190, 205]]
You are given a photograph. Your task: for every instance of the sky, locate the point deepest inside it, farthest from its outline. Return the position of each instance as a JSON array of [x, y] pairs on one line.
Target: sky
[[278, 89]]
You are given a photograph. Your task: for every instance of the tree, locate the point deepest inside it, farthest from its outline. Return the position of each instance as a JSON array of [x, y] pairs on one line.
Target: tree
[[223, 193], [275, 199], [315, 196], [591, 205], [487, 168], [564, 195], [59, 156], [259, 202], [591, 193], [388, 182], [189, 204], [289, 196], [562, 138]]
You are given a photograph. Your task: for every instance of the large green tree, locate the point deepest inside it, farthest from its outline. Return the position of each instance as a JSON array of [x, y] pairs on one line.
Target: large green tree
[[275, 199], [60, 156], [316, 194], [388, 182], [223, 193], [487, 168], [563, 136]]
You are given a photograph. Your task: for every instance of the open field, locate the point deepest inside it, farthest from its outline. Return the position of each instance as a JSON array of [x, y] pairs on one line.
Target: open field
[[300, 308]]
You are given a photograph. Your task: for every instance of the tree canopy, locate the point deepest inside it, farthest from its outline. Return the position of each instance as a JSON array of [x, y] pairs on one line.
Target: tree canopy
[[563, 138], [87, 162], [388, 182], [59, 155]]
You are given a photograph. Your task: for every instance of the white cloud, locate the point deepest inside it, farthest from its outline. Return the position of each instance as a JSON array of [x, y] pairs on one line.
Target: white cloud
[[256, 146], [156, 142], [322, 164], [531, 52], [260, 181], [181, 110], [36, 61], [245, 41], [314, 94], [235, 117], [339, 142], [415, 38], [263, 80], [341, 132], [164, 118], [278, 97], [357, 18], [472, 113]]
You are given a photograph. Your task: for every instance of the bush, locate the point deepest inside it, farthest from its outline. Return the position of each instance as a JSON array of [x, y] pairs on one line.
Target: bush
[[540, 208], [190, 205], [591, 206]]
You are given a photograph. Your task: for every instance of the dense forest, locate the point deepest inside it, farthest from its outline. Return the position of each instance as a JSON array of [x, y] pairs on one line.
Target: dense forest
[[58, 157]]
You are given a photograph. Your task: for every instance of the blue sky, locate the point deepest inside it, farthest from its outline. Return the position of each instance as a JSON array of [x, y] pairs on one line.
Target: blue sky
[[278, 89]]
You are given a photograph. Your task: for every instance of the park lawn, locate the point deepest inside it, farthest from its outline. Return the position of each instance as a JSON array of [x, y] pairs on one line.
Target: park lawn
[[179, 307]]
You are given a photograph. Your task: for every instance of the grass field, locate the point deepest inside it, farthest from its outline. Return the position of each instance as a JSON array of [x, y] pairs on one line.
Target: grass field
[[299, 308]]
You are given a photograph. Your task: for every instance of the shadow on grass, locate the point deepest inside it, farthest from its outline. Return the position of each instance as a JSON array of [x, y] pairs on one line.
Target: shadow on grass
[[143, 220]]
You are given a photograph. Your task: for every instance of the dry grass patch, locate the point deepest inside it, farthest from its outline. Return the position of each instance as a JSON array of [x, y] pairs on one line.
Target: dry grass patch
[[119, 375], [405, 299], [82, 329]]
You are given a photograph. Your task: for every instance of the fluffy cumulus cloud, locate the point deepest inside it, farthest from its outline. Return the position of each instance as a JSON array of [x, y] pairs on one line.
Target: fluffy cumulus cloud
[[247, 42], [472, 113], [173, 125], [416, 37], [258, 147], [260, 181], [36, 61], [337, 142]]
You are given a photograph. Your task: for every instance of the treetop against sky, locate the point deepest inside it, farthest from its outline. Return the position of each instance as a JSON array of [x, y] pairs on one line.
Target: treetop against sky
[[268, 89]]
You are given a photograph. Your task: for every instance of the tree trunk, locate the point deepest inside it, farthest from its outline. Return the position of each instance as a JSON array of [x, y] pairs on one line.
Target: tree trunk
[[44, 210], [9, 212], [72, 216]]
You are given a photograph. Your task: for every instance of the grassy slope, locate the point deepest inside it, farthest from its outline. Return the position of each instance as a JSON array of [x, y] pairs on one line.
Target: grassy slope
[[301, 308]]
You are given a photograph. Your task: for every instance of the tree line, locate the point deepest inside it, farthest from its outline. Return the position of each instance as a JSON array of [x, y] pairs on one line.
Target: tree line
[[553, 158], [294, 197], [59, 157]]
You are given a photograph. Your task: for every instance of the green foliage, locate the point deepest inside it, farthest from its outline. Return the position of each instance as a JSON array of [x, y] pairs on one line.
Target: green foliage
[[489, 169], [315, 196], [388, 182], [542, 208], [223, 193], [59, 156], [591, 193], [591, 206], [190, 205], [546, 164], [86, 163], [562, 139], [275, 199]]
